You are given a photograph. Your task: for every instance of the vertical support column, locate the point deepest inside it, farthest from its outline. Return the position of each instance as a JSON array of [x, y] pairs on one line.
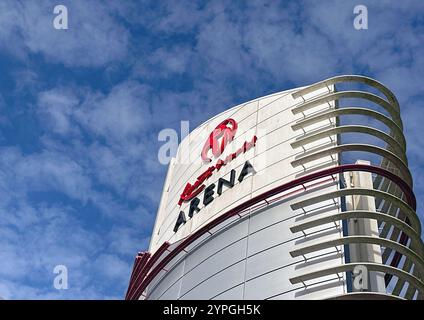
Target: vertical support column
[[365, 227]]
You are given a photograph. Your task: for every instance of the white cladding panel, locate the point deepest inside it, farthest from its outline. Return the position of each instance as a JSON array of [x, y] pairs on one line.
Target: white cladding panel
[[249, 259]]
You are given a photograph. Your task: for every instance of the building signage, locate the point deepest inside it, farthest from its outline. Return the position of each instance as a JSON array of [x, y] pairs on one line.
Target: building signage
[[220, 137]]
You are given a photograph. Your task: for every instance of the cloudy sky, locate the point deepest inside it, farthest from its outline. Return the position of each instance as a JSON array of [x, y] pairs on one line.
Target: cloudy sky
[[81, 109]]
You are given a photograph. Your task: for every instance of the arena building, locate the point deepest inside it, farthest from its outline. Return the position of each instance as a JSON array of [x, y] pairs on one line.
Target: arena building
[[295, 195]]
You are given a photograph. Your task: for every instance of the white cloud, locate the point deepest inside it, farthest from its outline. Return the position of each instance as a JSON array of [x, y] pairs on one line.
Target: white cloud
[[165, 62], [58, 105], [120, 115], [113, 267], [94, 37]]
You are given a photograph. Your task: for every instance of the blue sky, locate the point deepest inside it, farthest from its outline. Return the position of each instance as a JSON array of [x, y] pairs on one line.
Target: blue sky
[[80, 112]]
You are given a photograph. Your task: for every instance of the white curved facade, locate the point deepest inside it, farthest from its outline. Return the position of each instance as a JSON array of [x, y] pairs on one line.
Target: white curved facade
[[242, 237]]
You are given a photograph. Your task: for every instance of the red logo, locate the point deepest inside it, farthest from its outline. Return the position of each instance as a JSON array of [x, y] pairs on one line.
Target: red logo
[[221, 131], [227, 134]]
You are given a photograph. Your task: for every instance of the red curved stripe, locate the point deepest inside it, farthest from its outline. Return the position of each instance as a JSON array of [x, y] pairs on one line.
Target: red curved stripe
[[139, 265], [136, 292]]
